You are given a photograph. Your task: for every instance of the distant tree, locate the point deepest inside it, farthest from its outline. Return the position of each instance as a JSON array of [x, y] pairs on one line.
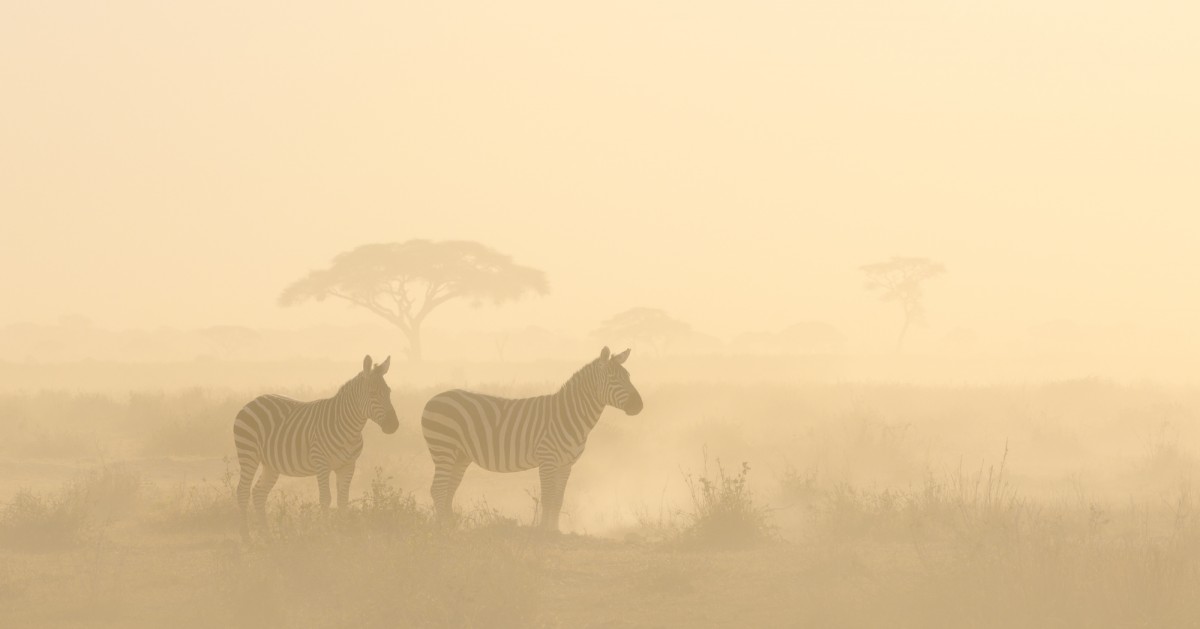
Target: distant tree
[[404, 282], [643, 326], [899, 280]]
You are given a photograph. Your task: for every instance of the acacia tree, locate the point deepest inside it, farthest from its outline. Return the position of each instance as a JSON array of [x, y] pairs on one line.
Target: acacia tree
[[649, 326], [404, 282], [900, 280]]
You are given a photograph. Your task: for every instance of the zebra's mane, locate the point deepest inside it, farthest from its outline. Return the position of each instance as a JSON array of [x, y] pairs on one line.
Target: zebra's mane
[[349, 382], [578, 374]]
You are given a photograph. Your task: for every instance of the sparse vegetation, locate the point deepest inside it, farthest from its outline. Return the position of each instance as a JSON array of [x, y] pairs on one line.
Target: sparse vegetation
[[65, 517], [879, 516], [32, 521], [199, 507], [724, 513]]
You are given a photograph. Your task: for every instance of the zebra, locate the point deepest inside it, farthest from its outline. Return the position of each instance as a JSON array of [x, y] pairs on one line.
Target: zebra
[[548, 432], [315, 438]]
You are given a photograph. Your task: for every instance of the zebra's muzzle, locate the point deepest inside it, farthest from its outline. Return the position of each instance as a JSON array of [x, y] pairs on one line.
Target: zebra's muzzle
[[389, 423]]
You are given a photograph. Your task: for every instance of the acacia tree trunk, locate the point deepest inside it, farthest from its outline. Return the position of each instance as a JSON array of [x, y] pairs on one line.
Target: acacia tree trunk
[[903, 332], [414, 342], [912, 311]]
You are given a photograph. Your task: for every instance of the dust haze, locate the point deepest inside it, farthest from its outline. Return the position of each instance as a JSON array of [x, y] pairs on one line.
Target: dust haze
[[909, 294]]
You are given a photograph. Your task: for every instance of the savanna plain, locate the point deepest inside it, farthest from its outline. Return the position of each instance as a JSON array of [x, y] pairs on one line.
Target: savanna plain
[[787, 502]]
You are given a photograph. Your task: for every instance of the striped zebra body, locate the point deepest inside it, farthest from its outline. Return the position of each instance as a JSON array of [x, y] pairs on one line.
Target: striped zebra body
[[293, 438], [548, 432], [301, 438], [508, 435]]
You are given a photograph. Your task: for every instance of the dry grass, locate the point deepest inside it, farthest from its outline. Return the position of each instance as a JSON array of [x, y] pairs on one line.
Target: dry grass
[[1087, 518], [380, 562], [724, 513], [73, 513]]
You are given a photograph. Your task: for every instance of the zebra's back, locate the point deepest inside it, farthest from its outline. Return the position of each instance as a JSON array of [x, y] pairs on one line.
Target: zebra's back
[[499, 434], [265, 420]]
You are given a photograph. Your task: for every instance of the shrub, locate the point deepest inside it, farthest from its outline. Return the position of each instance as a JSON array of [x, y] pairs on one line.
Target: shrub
[[724, 513], [106, 493], [383, 510], [39, 522], [799, 487], [205, 507], [197, 508], [978, 509], [34, 521]]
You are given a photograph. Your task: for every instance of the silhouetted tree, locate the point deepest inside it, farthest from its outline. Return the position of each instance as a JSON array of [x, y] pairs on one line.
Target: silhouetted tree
[[899, 280], [643, 326], [404, 282]]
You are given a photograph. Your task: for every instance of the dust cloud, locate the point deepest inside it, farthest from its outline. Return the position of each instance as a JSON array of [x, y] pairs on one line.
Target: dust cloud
[[908, 291]]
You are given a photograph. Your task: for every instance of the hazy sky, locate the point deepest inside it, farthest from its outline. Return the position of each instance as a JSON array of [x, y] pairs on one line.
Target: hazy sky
[[179, 163]]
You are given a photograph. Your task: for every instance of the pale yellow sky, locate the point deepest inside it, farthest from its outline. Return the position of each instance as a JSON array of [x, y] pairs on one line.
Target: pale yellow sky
[[732, 163]]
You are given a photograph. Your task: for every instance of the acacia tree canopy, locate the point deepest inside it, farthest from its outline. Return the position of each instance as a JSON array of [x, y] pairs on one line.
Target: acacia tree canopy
[[643, 325], [900, 280], [403, 282]]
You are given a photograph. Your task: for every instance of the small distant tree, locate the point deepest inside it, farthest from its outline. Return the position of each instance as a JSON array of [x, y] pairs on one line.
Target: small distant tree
[[643, 326], [900, 280], [403, 282]]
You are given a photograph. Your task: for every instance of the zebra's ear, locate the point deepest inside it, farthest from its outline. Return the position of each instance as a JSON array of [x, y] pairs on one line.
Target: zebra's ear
[[620, 358], [605, 353], [367, 364], [383, 366]]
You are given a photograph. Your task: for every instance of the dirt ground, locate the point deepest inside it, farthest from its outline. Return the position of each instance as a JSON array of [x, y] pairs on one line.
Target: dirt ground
[[1067, 504]]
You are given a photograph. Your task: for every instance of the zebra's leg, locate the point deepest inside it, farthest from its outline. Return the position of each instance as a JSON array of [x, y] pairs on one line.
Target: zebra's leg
[[447, 475], [343, 484], [248, 468], [323, 489], [554, 484], [263, 487]]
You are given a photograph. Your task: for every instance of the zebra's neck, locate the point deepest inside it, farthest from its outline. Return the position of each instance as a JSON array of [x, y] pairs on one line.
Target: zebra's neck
[[349, 408], [581, 401]]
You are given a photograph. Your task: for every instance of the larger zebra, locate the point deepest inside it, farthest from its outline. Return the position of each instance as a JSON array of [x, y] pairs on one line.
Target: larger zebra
[[509, 435], [295, 438]]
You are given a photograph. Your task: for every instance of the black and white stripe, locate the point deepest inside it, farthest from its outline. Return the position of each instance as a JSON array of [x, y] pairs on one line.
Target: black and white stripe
[[294, 438], [548, 432]]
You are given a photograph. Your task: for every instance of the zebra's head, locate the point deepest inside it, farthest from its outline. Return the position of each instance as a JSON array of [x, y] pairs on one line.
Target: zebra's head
[[618, 391], [379, 395]]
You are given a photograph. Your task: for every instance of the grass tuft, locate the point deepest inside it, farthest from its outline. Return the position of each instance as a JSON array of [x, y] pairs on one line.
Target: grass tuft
[[724, 511]]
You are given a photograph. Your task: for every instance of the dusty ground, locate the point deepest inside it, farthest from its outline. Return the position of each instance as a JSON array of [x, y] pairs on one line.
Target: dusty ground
[[1058, 505]]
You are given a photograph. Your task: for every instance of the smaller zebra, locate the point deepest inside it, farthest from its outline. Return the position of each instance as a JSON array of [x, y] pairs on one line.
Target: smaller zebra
[[295, 438]]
